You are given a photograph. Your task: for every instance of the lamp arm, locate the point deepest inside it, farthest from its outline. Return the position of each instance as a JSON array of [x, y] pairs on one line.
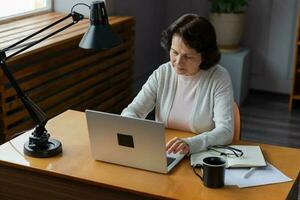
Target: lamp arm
[[36, 33], [76, 18], [38, 116]]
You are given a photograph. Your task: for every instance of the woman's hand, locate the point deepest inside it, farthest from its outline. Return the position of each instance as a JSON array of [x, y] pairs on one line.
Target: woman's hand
[[177, 145]]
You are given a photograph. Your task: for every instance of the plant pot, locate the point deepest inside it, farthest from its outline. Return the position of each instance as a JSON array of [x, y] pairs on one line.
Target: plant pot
[[229, 29]]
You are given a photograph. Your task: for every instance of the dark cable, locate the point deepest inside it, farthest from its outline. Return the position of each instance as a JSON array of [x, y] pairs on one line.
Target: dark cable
[[83, 4]]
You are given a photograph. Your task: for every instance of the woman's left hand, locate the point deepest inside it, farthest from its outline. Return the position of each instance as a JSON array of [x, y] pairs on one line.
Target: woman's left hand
[[177, 145]]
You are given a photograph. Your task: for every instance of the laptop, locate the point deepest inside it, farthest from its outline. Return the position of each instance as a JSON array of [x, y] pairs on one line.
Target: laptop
[[132, 142]]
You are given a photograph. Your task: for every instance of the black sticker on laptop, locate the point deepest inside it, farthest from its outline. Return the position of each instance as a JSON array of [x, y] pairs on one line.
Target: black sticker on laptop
[[125, 140]]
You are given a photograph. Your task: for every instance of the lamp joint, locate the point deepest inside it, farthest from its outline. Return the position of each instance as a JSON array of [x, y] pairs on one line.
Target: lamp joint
[[77, 16]]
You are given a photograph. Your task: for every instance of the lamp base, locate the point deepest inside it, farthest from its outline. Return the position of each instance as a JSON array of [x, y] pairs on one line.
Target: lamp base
[[52, 148]]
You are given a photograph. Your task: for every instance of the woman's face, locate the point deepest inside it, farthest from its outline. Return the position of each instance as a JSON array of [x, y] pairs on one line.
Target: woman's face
[[185, 60]]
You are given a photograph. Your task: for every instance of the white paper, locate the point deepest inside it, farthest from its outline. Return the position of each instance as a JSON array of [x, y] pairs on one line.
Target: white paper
[[260, 176]]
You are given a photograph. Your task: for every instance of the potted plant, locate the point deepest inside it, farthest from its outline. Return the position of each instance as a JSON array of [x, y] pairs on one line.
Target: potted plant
[[228, 18]]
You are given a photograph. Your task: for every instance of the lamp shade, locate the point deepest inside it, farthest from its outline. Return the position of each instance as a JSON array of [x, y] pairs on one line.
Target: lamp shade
[[99, 34], [99, 37]]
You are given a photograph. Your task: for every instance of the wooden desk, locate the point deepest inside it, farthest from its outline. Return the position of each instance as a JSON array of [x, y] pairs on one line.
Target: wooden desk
[[75, 175]]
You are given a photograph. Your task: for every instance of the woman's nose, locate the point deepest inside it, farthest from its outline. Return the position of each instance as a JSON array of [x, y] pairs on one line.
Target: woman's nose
[[178, 60]]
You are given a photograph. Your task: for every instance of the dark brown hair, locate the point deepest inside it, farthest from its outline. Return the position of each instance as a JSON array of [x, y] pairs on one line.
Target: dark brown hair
[[198, 33]]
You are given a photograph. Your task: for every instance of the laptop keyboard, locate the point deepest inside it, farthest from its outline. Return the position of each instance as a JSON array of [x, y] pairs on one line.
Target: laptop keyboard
[[170, 160]]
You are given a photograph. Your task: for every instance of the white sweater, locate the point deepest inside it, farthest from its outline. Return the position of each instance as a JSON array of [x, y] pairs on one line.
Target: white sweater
[[212, 116]]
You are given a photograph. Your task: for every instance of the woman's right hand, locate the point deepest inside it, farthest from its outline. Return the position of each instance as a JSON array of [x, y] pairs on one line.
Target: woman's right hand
[[177, 145]]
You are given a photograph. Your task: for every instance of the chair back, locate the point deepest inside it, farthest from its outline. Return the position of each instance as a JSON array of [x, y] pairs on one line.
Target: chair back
[[237, 122]]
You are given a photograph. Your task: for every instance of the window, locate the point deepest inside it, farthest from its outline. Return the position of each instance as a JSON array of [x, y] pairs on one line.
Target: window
[[16, 8]]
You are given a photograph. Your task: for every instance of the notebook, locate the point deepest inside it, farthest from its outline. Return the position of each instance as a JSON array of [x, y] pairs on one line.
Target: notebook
[[132, 142], [252, 157]]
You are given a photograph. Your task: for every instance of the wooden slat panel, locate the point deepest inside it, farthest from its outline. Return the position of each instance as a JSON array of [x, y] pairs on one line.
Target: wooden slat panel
[[70, 103], [65, 70], [12, 35], [111, 102], [118, 107], [296, 97], [29, 21], [66, 55], [58, 75], [91, 93], [16, 33], [71, 90], [71, 33], [106, 92], [2, 130]]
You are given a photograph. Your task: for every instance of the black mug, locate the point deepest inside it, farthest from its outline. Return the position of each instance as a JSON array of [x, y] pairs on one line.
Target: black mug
[[213, 172]]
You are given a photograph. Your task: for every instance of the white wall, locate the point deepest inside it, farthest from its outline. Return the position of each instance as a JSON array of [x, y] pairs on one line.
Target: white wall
[[177, 8], [270, 30], [150, 18], [65, 6]]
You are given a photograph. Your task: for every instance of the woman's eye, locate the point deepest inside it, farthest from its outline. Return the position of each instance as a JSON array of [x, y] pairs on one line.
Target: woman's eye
[[174, 52]]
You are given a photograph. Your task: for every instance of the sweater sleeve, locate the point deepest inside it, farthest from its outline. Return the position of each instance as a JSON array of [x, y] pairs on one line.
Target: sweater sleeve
[[145, 100], [222, 133]]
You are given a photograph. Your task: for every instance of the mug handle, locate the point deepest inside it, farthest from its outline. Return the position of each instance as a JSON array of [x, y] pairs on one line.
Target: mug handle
[[200, 167]]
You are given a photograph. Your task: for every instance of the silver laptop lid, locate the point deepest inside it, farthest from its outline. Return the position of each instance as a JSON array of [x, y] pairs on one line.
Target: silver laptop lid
[[127, 141]]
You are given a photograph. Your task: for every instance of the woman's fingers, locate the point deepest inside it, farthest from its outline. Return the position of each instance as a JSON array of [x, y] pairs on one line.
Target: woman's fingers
[[176, 145], [185, 150], [171, 142], [180, 147], [173, 148]]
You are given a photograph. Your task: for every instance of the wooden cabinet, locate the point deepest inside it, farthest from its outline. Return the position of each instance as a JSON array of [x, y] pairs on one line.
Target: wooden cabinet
[[58, 75], [295, 92]]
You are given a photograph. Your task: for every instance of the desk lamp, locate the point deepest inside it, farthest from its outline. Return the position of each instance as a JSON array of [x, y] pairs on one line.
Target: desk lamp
[[98, 36]]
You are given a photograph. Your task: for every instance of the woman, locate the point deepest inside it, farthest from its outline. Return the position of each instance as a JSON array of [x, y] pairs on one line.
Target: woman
[[191, 92]]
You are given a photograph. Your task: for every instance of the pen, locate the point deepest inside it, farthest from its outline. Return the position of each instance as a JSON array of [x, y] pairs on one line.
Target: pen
[[249, 172]]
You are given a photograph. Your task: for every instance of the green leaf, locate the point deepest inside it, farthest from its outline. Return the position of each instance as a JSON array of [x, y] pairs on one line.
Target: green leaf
[[228, 6]]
